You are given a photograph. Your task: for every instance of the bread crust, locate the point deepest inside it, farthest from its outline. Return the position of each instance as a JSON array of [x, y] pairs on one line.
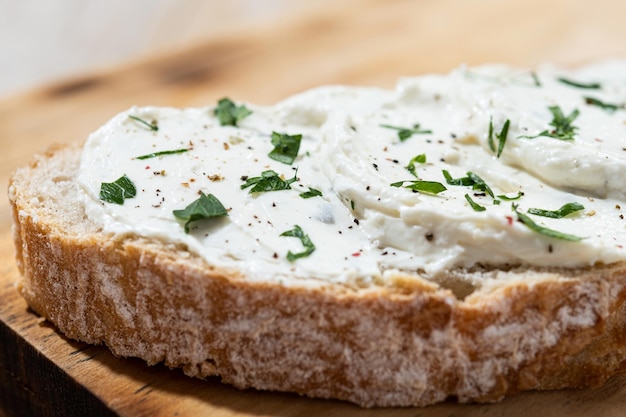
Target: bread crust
[[411, 342]]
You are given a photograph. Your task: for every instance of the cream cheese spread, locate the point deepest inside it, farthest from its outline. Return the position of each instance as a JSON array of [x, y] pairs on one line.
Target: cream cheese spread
[[373, 154]]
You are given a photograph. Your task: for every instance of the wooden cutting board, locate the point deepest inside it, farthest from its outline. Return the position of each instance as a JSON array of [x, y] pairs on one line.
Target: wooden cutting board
[[369, 42]]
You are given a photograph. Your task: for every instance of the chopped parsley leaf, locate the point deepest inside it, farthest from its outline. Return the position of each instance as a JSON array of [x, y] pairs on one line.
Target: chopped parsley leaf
[[565, 210], [268, 181], [229, 114], [609, 107], [309, 247], [535, 78], [500, 136], [506, 198], [528, 222], [152, 125], [473, 204], [563, 128], [428, 187], [419, 159], [471, 179], [205, 207], [285, 147], [572, 83], [161, 153], [406, 132], [117, 191], [311, 193]]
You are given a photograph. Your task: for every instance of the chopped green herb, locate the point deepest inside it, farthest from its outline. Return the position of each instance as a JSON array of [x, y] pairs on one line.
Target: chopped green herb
[[464, 181], [152, 125], [406, 132], [563, 128], [205, 207], [544, 230], [610, 107], [311, 193], [506, 198], [285, 147], [565, 210], [429, 187], [472, 180], [535, 78], [117, 191], [309, 247], [161, 153], [571, 83], [490, 141], [475, 205], [419, 159], [479, 184], [500, 136], [352, 204], [268, 181], [229, 114]]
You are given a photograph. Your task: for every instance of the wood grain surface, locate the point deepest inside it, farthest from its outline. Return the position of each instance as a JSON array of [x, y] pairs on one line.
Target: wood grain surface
[[364, 42]]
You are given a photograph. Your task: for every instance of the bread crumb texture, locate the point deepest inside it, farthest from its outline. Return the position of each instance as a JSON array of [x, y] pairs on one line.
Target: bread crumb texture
[[409, 342]]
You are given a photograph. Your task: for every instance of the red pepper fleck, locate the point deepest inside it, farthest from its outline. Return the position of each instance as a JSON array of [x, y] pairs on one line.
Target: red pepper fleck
[[509, 220], [147, 166], [356, 254]]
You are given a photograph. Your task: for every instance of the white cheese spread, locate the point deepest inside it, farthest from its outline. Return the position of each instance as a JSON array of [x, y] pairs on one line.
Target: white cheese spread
[[566, 143]]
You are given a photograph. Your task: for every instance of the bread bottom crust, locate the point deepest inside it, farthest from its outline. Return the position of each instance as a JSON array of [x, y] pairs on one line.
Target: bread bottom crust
[[408, 343]]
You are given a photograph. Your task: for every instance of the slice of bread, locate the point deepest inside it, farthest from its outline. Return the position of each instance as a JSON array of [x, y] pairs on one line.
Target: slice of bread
[[407, 342]]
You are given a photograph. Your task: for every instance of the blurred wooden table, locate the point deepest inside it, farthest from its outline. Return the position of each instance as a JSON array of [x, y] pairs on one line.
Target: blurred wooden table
[[370, 42]]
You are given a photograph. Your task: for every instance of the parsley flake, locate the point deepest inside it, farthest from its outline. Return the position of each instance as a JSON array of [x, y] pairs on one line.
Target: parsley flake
[[117, 191], [419, 159], [507, 198], [285, 147], [311, 193], [152, 125], [268, 181], [473, 204], [609, 107], [528, 222], [536, 79], [309, 247], [428, 187], [471, 179], [563, 128], [406, 132], [205, 207], [229, 114], [572, 83], [500, 136], [564, 211], [161, 153]]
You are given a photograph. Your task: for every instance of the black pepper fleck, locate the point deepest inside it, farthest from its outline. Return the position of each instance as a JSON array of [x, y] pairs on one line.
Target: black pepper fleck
[[429, 236]]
